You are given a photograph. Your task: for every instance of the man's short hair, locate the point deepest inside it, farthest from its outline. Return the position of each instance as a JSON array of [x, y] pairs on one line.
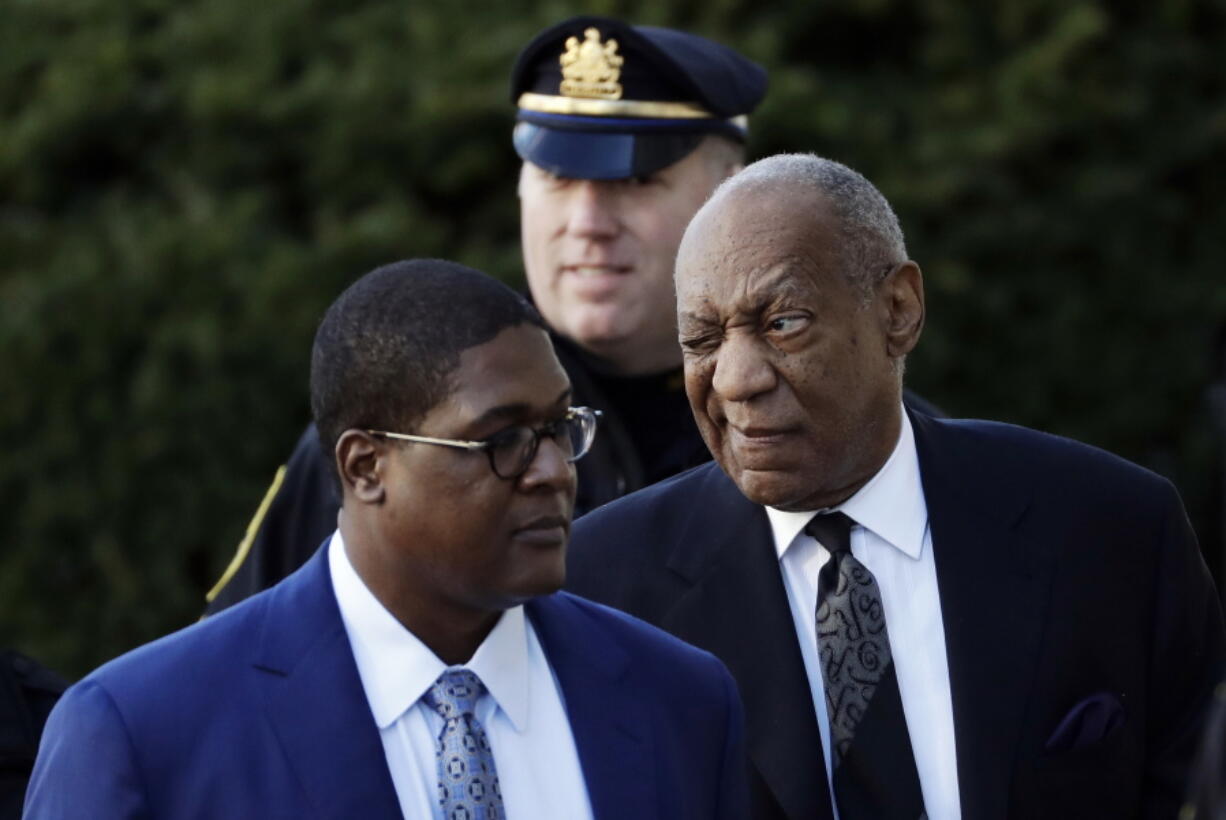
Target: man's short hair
[[872, 239], [387, 348]]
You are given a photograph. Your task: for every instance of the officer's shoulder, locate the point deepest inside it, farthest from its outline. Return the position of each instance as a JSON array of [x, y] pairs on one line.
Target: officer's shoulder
[[28, 691], [308, 450], [29, 674]]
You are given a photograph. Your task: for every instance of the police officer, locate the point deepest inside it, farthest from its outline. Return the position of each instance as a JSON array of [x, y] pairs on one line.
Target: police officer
[[624, 132]]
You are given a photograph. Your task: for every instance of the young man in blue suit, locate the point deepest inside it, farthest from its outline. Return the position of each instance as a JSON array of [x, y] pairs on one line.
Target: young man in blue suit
[[950, 618], [422, 664]]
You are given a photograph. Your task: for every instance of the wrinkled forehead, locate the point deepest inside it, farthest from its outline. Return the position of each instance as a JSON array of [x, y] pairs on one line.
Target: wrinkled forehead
[[745, 287], [750, 243], [775, 210]]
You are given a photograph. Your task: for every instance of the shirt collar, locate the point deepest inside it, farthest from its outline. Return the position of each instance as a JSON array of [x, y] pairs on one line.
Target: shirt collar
[[396, 668], [891, 504]]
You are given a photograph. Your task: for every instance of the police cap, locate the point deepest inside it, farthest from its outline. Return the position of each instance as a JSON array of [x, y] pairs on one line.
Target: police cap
[[601, 99]]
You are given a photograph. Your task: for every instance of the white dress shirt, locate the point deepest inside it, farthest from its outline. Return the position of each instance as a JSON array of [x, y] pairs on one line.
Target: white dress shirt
[[522, 712], [894, 542]]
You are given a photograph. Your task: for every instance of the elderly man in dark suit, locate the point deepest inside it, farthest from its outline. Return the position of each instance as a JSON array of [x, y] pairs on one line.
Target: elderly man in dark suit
[[925, 617], [421, 664]]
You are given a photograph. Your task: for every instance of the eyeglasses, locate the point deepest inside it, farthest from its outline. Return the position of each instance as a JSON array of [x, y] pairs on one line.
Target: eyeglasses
[[512, 450]]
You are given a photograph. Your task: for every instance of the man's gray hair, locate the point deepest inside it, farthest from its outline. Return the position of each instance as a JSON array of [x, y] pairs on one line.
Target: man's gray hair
[[873, 242]]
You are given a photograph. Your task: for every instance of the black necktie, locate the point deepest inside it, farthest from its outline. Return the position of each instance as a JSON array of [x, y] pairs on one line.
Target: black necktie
[[874, 773]]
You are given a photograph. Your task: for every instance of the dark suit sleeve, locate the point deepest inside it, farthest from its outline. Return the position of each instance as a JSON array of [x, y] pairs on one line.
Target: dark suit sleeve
[[1188, 659], [300, 515], [86, 766], [734, 783]]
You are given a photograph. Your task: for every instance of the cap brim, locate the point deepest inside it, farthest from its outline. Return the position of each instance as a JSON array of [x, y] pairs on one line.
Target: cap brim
[[600, 154]]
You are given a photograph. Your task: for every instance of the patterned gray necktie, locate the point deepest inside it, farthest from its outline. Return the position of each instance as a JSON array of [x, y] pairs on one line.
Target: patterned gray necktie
[[467, 781], [874, 775]]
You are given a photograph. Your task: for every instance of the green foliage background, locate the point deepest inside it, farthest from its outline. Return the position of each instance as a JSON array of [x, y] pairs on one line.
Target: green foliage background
[[185, 186]]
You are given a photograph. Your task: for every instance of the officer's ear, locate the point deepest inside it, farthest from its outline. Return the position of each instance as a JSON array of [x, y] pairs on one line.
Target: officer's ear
[[725, 156], [361, 460]]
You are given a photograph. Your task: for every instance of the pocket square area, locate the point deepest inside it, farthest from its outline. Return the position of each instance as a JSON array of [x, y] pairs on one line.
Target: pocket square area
[[1091, 720]]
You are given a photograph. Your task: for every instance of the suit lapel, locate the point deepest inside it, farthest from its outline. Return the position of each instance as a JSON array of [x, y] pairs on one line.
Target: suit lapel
[[606, 718], [737, 609], [315, 699], [994, 586]]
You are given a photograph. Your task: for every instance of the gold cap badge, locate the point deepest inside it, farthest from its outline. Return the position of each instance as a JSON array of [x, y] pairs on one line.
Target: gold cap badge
[[591, 68]]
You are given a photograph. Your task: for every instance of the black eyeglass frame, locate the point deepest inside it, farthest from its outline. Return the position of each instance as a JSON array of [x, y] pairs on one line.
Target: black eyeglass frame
[[586, 416]]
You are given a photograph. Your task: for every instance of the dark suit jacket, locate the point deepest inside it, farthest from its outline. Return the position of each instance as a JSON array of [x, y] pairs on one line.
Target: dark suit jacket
[[259, 713], [1067, 576]]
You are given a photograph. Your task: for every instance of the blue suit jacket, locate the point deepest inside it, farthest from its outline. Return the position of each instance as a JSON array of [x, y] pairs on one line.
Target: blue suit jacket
[[1082, 631], [259, 712]]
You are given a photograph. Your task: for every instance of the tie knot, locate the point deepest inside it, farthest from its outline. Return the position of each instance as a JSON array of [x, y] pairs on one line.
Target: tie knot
[[455, 693], [832, 531]]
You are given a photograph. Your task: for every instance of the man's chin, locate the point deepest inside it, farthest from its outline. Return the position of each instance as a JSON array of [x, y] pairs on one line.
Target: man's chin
[[544, 578], [790, 490], [604, 340], [771, 488]]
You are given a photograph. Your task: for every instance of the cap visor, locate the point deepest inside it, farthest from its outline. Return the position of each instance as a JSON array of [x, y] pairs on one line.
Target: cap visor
[[600, 154]]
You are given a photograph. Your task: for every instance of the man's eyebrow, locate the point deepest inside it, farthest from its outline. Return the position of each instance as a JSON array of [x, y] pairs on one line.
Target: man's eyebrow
[[762, 295], [780, 284], [516, 410]]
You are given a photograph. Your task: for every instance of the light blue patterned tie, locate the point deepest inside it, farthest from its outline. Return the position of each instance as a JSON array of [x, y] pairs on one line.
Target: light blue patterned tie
[[467, 781]]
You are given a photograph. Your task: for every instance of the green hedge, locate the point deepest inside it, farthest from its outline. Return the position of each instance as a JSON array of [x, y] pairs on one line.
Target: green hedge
[[185, 186]]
